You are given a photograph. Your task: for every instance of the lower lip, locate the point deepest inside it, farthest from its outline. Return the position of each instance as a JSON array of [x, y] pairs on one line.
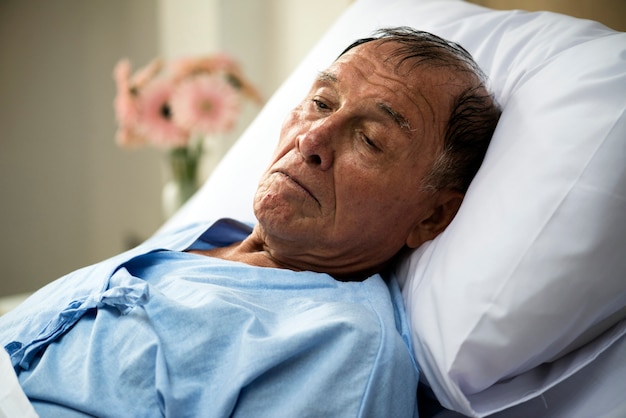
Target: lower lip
[[296, 185]]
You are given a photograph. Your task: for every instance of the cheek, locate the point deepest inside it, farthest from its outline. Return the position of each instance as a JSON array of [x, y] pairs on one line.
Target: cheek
[[379, 194], [291, 127]]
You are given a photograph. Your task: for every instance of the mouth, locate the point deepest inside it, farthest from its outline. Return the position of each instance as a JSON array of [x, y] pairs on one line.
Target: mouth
[[295, 182]]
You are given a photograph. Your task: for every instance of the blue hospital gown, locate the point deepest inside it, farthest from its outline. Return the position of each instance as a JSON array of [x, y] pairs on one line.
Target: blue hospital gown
[[157, 331]]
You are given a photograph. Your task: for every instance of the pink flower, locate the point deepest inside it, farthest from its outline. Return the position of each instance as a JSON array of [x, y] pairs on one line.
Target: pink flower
[[205, 104], [146, 74], [221, 64], [195, 97], [125, 106], [156, 122], [129, 138], [121, 74], [185, 67]]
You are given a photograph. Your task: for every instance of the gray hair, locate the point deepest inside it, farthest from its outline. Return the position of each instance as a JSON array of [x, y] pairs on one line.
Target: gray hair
[[474, 113]]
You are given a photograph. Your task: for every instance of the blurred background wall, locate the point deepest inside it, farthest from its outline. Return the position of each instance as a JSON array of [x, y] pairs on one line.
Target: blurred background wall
[[68, 195], [612, 13]]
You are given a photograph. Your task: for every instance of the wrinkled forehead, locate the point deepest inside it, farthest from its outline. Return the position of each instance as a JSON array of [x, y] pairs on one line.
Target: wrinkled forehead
[[426, 91], [416, 65], [375, 56]]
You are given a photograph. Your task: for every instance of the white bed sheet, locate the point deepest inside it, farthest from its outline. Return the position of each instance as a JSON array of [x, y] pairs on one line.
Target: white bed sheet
[[13, 401]]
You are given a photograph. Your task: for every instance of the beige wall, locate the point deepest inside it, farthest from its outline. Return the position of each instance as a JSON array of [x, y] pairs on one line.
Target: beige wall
[[68, 195], [269, 37], [610, 12]]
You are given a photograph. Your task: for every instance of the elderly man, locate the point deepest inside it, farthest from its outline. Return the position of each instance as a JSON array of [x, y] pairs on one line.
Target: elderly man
[[290, 317]]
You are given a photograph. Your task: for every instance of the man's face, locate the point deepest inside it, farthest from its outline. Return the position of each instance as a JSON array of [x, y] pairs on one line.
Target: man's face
[[343, 191]]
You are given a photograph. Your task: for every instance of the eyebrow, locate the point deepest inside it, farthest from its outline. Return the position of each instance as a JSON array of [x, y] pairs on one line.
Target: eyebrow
[[326, 76], [398, 118]]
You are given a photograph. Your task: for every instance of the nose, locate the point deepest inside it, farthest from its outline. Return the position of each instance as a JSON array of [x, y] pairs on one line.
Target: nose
[[316, 144]]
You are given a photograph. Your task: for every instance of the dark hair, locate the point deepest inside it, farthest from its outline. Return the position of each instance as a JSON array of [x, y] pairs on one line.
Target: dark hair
[[474, 113]]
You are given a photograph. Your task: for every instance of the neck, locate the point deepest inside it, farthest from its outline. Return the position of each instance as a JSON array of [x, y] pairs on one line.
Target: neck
[[248, 251], [255, 251]]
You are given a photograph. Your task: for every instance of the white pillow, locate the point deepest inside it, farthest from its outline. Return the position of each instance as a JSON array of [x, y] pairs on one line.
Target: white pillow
[[534, 265]]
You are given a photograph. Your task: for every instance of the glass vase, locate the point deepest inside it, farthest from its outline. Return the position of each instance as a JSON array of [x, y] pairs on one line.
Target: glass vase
[[183, 164]]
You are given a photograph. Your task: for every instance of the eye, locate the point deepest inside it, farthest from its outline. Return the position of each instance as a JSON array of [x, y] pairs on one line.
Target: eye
[[369, 142], [319, 104]]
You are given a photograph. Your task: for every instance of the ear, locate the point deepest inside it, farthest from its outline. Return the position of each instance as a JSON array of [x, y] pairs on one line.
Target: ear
[[443, 207]]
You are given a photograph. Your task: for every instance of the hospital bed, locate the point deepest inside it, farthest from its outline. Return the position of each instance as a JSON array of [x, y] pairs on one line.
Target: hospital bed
[[519, 308]]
